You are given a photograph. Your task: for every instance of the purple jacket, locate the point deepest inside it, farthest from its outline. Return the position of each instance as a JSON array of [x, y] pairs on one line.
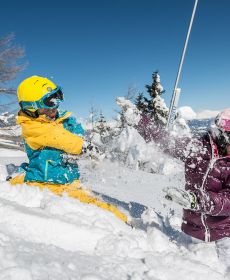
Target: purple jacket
[[207, 175]]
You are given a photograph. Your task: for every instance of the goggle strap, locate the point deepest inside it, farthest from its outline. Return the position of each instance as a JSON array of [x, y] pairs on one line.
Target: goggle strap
[[30, 105], [34, 115]]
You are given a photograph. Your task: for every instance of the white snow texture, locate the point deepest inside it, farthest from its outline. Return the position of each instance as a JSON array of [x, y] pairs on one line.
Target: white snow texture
[[43, 236]]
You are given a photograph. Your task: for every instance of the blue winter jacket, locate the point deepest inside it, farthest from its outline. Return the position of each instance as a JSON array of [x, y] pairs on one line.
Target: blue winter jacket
[[46, 140]]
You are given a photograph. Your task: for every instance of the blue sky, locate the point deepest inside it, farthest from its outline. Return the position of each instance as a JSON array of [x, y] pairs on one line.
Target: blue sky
[[97, 49]]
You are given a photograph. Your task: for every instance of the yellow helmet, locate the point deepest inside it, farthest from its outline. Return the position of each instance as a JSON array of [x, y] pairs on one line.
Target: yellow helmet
[[34, 88], [38, 92]]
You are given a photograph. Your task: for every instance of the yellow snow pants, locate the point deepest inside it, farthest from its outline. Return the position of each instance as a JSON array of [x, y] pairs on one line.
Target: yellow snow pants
[[73, 190]]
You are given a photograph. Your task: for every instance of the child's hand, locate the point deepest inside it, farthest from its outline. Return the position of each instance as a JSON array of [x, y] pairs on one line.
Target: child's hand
[[69, 158], [92, 151]]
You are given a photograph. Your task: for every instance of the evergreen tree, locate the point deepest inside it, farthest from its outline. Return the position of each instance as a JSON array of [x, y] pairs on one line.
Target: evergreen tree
[[156, 88], [103, 129], [154, 106], [101, 125], [141, 103]]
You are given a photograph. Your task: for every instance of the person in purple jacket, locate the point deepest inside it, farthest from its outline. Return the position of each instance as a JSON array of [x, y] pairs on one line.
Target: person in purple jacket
[[206, 198]]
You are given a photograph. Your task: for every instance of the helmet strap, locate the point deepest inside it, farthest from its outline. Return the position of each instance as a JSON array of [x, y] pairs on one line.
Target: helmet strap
[[34, 115]]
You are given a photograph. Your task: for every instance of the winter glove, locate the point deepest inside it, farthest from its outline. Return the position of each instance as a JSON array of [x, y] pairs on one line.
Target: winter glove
[[92, 151], [187, 200], [89, 147], [69, 158]]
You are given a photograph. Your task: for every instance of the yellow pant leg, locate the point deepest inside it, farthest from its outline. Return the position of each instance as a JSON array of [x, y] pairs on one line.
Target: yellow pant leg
[[73, 190], [86, 197], [55, 188], [19, 179]]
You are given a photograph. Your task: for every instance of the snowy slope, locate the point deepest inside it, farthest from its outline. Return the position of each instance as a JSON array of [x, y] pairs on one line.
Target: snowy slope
[[43, 236]]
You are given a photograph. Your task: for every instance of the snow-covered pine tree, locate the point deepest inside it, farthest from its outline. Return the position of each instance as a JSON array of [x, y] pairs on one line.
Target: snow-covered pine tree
[[102, 128], [101, 124], [93, 117], [121, 119], [154, 106], [155, 89], [141, 103]]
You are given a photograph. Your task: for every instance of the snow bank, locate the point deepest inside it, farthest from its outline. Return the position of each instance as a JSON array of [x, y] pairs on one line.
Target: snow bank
[[43, 236], [55, 224], [126, 146], [130, 149], [130, 111], [41, 217]]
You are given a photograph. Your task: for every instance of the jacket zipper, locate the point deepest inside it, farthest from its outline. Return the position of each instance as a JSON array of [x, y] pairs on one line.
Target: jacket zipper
[[46, 168], [206, 228], [203, 215]]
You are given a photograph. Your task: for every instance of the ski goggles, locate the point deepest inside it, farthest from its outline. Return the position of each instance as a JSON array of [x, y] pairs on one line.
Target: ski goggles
[[49, 101], [224, 124], [223, 120]]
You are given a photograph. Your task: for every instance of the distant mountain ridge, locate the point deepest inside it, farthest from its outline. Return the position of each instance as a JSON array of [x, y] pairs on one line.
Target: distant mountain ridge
[[200, 125]]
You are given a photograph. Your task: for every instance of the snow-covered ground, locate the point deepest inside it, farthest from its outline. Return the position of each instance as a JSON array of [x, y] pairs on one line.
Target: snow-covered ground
[[43, 236]]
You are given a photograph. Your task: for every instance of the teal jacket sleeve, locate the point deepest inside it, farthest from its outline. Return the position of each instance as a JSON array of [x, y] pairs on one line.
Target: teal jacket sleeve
[[73, 126]]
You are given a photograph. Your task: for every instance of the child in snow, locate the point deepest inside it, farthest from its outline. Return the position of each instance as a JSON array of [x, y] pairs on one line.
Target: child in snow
[[53, 139], [206, 198]]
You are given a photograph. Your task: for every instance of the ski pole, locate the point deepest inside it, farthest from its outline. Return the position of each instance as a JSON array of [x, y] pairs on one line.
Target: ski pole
[[176, 90]]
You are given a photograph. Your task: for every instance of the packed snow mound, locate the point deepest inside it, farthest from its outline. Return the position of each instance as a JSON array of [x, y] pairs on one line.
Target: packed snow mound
[[125, 145], [40, 217], [131, 113], [130, 149], [122, 142], [39, 226], [186, 113], [44, 236]]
